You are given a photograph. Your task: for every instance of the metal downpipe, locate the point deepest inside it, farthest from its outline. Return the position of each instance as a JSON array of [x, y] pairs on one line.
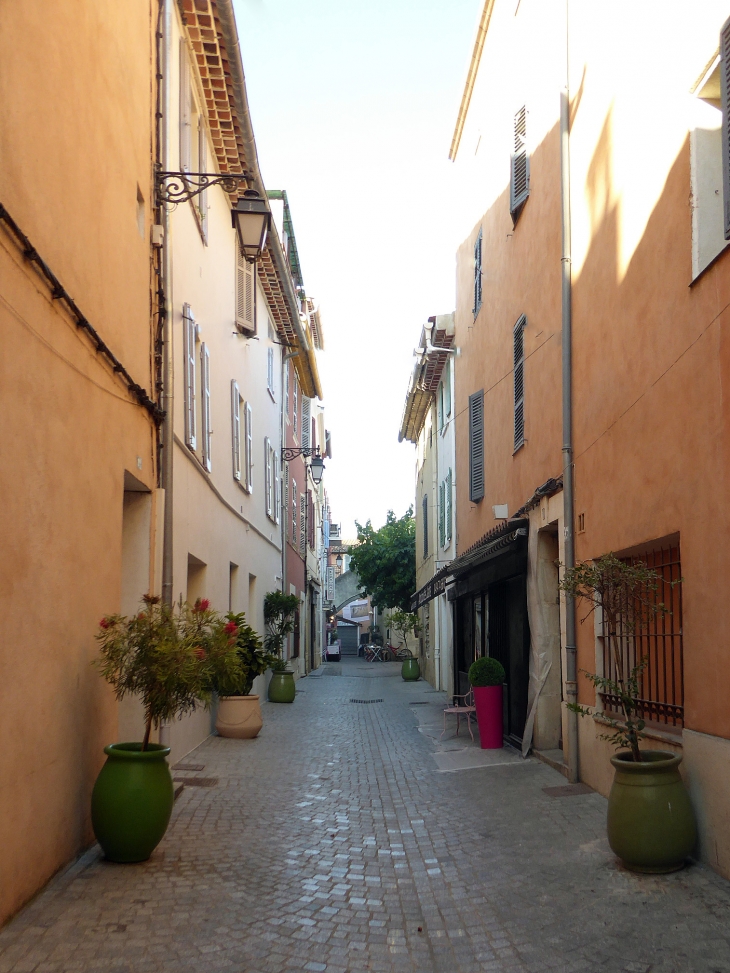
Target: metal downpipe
[[167, 362]]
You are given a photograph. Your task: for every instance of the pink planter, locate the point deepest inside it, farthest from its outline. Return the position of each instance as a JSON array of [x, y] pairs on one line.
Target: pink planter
[[488, 701]]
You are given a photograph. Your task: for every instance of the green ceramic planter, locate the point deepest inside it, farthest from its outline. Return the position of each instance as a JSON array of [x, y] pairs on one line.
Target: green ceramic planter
[[410, 670], [282, 688], [651, 825], [132, 801]]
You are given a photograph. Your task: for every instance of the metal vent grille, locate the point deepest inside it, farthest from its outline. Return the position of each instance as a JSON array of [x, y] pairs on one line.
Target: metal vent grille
[[366, 700]]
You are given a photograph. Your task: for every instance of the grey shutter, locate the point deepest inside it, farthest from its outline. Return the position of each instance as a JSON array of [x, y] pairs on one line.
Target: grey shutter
[[519, 184], [442, 513], [725, 96], [425, 525], [476, 446], [189, 335], [306, 422], [449, 503], [303, 524], [519, 380], [185, 110], [478, 273]]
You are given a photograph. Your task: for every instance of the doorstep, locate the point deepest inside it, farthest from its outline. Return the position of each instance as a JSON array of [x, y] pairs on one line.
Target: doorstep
[[554, 759]]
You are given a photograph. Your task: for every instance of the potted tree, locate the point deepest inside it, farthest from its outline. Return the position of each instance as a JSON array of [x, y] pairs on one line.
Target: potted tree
[[239, 710], [279, 615], [486, 677], [651, 824], [405, 624], [168, 658]]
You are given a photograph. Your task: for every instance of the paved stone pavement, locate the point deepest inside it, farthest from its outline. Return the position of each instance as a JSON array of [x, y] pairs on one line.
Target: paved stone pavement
[[334, 844]]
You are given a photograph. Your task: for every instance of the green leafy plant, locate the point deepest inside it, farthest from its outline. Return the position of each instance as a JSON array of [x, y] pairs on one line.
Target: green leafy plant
[[404, 623], [169, 656], [385, 561], [253, 660], [486, 671], [625, 594], [280, 615], [278, 665]]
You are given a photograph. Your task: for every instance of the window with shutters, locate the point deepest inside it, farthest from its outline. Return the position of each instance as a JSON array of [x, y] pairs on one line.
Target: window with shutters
[[285, 505], [449, 504], [442, 513], [303, 524], [518, 340], [424, 508], [306, 421], [277, 487], [249, 448], [709, 150], [476, 446], [477, 274], [295, 405], [206, 431], [447, 387], [270, 371], [268, 480], [190, 335], [245, 294], [236, 402], [186, 111], [440, 407], [201, 200], [294, 502], [287, 366], [519, 184]]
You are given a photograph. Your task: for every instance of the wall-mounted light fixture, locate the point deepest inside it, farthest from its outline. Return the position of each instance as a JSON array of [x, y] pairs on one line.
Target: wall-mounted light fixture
[[316, 464]]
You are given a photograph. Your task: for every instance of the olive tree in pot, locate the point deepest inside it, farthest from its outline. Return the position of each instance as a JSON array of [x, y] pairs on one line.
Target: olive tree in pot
[[279, 614], [169, 658], [486, 676], [651, 825], [239, 710]]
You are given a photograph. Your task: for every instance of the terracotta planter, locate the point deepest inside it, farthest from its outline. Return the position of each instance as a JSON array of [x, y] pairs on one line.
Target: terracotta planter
[[651, 825], [488, 701], [239, 717], [282, 688]]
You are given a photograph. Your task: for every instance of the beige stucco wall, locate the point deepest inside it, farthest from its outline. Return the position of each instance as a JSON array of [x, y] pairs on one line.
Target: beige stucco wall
[[75, 89]]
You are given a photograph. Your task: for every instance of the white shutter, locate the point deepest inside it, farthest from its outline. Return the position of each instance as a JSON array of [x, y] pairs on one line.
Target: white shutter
[[245, 294], [249, 448], [295, 404], [294, 501], [205, 390], [303, 524], [277, 487], [306, 439], [185, 110], [267, 474], [285, 508], [203, 167], [449, 503], [189, 334], [270, 370], [236, 429]]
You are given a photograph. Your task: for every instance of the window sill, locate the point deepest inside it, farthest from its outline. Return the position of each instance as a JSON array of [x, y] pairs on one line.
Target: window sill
[[651, 732]]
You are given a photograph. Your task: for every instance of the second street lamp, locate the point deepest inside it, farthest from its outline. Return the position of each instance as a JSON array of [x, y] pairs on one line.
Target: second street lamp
[[251, 218], [317, 464]]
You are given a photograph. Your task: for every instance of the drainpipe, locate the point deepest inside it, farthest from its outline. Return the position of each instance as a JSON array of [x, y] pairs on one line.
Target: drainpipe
[[436, 613], [571, 684], [166, 460]]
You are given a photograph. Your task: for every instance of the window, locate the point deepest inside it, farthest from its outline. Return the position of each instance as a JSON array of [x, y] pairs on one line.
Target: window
[[249, 448], [270, 371], [202, 198], [425, 525], [708, 167], [519, 184], [303, 525], [447, 387], [286, 499], [245, 294], [268, 479], [205, 411], [277, 487], [186, 111], [306, 422], [236, 401], [295, 404], [477, 274], [518, 338], [294, 502], [190, 335], [442, 513], [476, 446], [449, 504], [440, 406]]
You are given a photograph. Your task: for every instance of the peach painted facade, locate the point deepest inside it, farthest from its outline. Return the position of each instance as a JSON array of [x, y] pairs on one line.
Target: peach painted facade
[[650, 299]]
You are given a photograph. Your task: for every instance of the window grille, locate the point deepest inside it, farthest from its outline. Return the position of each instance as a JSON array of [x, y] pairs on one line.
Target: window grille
[[518, 337], [658, 639]]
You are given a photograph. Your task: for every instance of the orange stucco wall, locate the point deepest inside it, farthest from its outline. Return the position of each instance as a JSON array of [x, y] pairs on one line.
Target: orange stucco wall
[[75, 144]]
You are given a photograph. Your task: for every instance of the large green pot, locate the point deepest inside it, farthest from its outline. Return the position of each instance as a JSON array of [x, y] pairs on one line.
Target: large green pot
[[651, 825], [282, 688], [410, 670], [132, 801]]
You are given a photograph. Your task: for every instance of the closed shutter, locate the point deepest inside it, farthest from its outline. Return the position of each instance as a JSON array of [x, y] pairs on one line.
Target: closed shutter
[[245, 294], [277, 487], [440, 407], [476, 446], [294, 502], [425, 525], [203, 167], [236, 429], [189, 335], [519, 384], [267, 475], [295, 405], [186, 142], [306, 421], [310, 521], [285, 506], [477, 274], [519, 187], [303, 524], [270, 370], [442, 513], [725, 101], [249, 448], [447, 387], [205, 383], [449, 503]]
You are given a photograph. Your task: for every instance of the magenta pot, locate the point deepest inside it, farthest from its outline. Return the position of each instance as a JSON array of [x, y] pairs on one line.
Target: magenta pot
[[488, 701]]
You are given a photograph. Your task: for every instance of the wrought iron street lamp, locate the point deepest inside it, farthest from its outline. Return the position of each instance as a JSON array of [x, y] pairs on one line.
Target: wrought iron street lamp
[[316, 465]]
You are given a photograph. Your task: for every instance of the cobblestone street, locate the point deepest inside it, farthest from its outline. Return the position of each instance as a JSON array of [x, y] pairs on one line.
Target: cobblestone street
[[335, 843]]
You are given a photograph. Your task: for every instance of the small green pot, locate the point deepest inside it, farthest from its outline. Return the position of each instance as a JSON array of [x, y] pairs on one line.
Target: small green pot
[[282, 688], [410, 670], [132, 801], [651, 825]]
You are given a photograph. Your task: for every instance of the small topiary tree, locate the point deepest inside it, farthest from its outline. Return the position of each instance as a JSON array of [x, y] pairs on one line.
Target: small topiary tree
[[405, 623], [486, 671]]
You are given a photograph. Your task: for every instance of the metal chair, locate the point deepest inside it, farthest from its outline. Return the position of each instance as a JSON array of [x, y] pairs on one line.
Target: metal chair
[[464, 708]]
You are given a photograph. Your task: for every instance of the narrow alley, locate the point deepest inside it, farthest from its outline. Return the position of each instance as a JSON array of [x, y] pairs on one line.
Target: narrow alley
[[347, 838]]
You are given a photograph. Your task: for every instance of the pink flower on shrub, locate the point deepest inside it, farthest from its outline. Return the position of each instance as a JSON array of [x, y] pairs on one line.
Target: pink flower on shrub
[[201, 605], [105, 623], [200, 653], [231, 628]]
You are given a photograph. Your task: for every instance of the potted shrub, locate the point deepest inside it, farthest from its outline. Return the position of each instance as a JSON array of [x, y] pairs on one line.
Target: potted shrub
[[406, 623], [651, 824], [486, 677], [167, 656], [279, 614], [239, 710]]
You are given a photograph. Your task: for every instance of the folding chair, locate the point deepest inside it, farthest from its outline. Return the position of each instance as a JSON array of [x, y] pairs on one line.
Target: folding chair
[[464, 708]]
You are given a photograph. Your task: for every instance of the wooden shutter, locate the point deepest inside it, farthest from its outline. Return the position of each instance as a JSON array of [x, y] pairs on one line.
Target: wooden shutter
[[519, 186], [295, 403], [478, 273], [285, 506], [424, 507], [725, 102], [303, 525], [306, 421], [189, 335], [270, 370], [519, 380], [447, 386], [294, 502], [442, 513], [236, 429], [245, 294], [205, 392], [267, 475], [249, 448], [449, 503], [203, 167], [277, 487], [476, 446], [310, 521], [186, 143], [440, 407]]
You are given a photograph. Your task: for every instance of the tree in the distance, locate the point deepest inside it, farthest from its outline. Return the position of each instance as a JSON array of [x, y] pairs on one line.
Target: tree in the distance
[[385, 561]]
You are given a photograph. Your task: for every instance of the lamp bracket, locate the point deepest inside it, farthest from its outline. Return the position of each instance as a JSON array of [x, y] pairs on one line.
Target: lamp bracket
[[291, 452], [179, 187]]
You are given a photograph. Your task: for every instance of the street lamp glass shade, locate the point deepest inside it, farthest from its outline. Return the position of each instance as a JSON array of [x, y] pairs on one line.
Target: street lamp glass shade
[[317, 467], [338, 560], [251, 218]]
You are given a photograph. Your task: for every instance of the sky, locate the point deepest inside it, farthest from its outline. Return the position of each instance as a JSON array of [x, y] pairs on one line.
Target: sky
[[353, 108]]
